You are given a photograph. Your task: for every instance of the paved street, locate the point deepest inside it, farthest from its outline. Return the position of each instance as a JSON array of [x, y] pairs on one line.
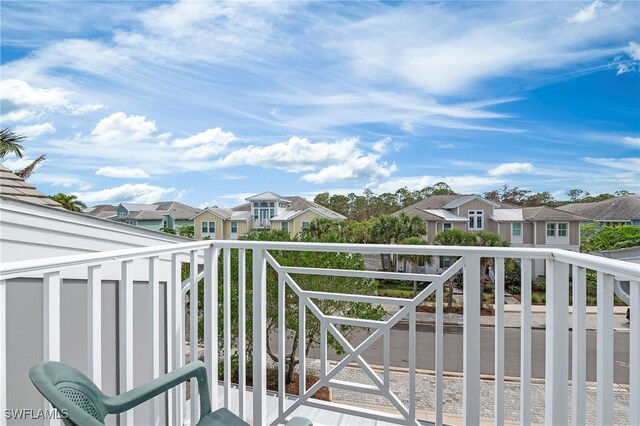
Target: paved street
[[454, 354]]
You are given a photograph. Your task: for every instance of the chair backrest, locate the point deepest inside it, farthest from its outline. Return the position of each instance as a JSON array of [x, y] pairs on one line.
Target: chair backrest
[[71, 392]]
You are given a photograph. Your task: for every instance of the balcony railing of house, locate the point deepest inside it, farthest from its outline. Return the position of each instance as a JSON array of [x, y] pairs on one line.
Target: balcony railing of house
[[162, 264], [262, 223]]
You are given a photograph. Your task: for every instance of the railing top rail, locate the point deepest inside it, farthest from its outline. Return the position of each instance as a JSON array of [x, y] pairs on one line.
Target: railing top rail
[[621, 269]]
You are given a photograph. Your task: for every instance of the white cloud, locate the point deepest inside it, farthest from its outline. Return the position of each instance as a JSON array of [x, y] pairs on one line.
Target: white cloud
[[204, 144], [21, 101], [122, 172], [17, 163], [382, 146], [133, 193], [631, 164], [585, 14], [66, 181], [631, 141], [365, 167], [633, 50], [295, 155], [461, 184], [511, 169], [35, 130], [118, 128]]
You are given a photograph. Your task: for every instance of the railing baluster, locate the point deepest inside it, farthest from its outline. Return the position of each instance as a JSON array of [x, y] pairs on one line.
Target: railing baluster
[[634, 353], [556, 342], [281, 342], [302, 346], [439, 352], [193, 331], [604, 354], [3, 350], [125, 309], [226, 281], [471, 341], [499, 341], [94, 325], [168, 336], [242, 339], [177, 344], [51, 320], [579, 345], [259, 337], [412, 365], [525, 341], [386, 347], [154, 319]]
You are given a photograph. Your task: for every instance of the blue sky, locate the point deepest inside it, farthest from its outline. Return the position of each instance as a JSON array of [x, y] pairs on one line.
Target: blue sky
[[208, 103]]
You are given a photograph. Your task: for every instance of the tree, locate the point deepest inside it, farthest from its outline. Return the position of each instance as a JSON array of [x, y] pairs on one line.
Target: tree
[[332, 260], [595, 237], [168, 230], [576, 195], [414, 259], [10, 143], [453, 237], [187, 231], [69, 202]]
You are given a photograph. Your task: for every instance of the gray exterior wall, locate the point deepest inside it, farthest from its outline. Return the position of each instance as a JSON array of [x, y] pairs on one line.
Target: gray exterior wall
[[25, 339], [487, 208], [154, 225]]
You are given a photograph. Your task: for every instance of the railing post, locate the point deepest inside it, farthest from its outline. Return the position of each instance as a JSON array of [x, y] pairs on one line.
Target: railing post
[[177, 341], [499, 342], [634, 353], [3, 350], [51, 319], [604, 355], [154, 333], [556, 344], [211, 320], [579, 345], [193, 332], [259, 338], [471, 341], [525, 342]]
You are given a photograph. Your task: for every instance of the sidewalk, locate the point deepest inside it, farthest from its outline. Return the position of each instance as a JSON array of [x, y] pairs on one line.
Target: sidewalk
[[512, 317]]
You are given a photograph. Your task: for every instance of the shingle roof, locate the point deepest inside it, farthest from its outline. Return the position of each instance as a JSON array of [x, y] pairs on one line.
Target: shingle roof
[[12, 186], [299, 203], [445, 201], [624, 208], [465, 199], [134, 207], [537, 214]]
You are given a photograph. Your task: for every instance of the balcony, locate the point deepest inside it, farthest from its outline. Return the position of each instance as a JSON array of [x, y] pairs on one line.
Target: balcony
[[123, 318]]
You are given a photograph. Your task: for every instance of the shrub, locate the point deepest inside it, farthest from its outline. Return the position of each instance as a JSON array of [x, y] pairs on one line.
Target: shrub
[[539, 283]]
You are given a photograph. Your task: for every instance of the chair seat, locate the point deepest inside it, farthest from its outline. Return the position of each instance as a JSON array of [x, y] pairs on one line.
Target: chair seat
[[222, 417]]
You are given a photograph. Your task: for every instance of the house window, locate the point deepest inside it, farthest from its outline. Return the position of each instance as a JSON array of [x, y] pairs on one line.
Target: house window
[[271, 204], [551, 229], [447, 225], [284, 226], [264, 204], [445, 261], [234, 227], [282, 205], [475, 219], [164, 223], [305, 226], [272, 212], [122, 214], [562, 229], [516, 229], [205, 227], [255, 214], [212, 227]]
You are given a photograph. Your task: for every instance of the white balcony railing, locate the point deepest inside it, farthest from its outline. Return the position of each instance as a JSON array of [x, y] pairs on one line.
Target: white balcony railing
[[162, 264]]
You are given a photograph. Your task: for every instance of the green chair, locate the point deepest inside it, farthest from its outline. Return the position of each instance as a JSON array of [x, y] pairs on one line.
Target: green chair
[[72, 392]]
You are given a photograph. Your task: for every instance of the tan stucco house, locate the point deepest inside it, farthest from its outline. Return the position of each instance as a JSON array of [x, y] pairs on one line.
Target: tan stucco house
[[262, 211], [520, 226]]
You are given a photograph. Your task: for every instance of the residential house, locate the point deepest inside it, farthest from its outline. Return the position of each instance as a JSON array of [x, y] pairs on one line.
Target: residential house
[[623, 210], [156, 216], [262, 211], [520, 226]]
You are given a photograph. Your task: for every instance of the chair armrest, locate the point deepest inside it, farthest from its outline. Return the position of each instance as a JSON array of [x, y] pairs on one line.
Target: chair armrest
[[136, 396], [299, 421]]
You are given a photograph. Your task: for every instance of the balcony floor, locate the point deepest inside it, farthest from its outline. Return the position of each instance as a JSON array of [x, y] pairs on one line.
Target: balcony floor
[[318, 416]]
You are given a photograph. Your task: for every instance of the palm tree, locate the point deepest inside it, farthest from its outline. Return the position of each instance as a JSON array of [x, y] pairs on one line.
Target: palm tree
[[454, 237], [69, 202], [10, 143]]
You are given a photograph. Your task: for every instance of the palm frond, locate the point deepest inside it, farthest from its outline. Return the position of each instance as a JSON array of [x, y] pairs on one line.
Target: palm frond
[[27, 171]]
